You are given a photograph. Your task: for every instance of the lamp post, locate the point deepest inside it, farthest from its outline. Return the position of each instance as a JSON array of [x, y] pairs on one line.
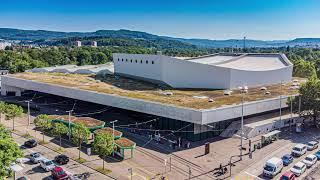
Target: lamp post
[[243, 90], [69, 122], [113, 136], [29, 118], [280, 103]]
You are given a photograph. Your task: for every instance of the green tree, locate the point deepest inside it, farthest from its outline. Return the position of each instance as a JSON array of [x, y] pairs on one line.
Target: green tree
[[103, 145], [80, 134], [304, 69], [43, 123], [9, 152], [12, 111], [59, 129], [2, 109], [310, 99]]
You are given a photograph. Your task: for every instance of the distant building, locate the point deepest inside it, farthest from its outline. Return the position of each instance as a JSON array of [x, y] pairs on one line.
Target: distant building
[[94, 44], [78, 43], [4, 44]]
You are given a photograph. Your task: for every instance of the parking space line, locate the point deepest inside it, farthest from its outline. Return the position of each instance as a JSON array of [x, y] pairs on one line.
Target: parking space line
[[253, 175]]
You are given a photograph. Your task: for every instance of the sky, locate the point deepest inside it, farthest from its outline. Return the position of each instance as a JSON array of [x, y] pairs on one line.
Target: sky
[[208, 19]]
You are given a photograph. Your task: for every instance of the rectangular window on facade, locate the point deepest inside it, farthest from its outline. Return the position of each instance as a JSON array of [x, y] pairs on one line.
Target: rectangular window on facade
[[146, 61], [118, 59], [126, 60], [131, 60], [122, 60], [136, 61], [141, 61], [152, 62]]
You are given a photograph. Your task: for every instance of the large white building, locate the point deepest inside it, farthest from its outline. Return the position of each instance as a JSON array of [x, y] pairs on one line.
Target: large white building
[[217, 71]]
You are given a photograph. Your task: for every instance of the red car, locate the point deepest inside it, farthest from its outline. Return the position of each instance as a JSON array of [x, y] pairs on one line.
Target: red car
[[58, 173], [288, 176]]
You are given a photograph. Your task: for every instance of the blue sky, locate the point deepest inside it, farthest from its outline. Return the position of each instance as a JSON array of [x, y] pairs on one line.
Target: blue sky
[[212, 19]]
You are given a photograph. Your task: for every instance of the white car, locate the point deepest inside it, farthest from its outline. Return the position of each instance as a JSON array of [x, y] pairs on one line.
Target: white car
[[312, 145], [47, 164], [299, 150], [298, 168], [310, 160]]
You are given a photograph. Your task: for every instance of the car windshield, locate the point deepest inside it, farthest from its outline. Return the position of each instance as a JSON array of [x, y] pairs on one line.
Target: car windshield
[[296, 149], [269, 168], [310, 144], [296, 167], [48, 163], [284, 178], [308, 159], [61, 172], [285, 157], [36, 155]]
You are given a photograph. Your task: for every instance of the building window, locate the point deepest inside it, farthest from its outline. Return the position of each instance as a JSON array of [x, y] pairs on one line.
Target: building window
[[141, 61], [126, 60], [122, 60], [131, 60], [146, 61], [136, 61], [152, 62], [118, 59]]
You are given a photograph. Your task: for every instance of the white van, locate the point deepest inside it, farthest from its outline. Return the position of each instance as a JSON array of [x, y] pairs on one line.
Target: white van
[[299, 150], [272, 167]]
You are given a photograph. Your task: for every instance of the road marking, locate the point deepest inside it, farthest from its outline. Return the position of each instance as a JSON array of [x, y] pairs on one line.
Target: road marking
[[252, 175]]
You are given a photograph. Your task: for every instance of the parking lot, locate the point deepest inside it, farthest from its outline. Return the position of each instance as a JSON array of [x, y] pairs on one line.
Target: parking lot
[[255, 170], [34, 171]]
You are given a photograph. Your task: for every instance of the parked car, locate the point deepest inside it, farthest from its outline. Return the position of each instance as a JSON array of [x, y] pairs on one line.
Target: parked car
[[47, 164], [317, 154], [298, 169], [58, 173], [288, 176], [272, 167], [61, 159], [287, 159], [312, 145], [30, 143], [310, 160], [299, 150], [35, 157]]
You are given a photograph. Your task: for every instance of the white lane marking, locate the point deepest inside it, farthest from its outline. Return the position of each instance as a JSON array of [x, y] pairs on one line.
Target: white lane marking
[[252, 175]]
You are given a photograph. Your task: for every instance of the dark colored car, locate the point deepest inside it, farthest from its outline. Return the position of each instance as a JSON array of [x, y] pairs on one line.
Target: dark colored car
[[287, 159], [58, 173], [61, 159], [30, 143], [23, 178], [317, 154]]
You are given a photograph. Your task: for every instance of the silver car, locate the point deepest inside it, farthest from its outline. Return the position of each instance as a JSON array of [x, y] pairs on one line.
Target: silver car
[[36, 157], [47, 164]]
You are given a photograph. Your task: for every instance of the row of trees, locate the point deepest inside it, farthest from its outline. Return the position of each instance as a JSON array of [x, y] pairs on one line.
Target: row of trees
[[11, 111], [102, 145], [9, 152]]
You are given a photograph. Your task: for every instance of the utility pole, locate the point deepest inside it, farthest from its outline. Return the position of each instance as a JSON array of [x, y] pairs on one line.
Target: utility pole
[[291, 119], [69, 123], [113, 138], [131, 174], [244, 43], [243, 90], [29, 118], [280, 103]]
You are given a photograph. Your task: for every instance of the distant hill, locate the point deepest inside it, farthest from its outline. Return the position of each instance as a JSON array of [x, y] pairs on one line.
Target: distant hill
[[138, 38]]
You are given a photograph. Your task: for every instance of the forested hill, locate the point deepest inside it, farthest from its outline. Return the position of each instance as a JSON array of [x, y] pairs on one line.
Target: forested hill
[[124, 37]]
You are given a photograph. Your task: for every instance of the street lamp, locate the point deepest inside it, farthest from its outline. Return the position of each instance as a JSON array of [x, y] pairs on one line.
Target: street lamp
[[69, 122], [29, 118], [113, 135], [243, 90]]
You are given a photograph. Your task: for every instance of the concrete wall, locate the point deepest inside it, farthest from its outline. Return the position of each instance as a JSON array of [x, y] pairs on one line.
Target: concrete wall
[[259, 78], [235, 111], [164, 110], [187, 74]]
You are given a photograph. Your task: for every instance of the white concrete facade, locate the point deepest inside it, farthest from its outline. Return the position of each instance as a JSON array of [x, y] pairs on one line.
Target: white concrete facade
[[209, 72], [197, 116]]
